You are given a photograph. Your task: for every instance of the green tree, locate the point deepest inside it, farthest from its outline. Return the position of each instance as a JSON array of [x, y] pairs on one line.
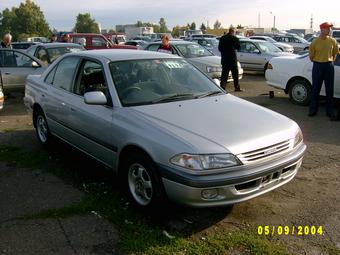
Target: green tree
[[217, 25], [139, 23], [193, 26], [24, 21], [203, 27], [85, 24], [162, 26]]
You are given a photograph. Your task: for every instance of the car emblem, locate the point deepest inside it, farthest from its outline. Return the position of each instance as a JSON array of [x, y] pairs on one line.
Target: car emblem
[[270, 151]]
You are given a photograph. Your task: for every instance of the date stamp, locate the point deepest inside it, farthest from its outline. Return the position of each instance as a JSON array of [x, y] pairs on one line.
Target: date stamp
[[290, 230]]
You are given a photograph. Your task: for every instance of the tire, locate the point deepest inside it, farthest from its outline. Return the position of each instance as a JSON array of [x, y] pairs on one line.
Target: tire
[[143, 184], [41, 127], [300, 92]]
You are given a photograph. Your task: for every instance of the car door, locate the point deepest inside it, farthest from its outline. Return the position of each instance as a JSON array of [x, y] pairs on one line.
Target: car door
[[59, 82], [249, 56], [15, 66], [90, 125]]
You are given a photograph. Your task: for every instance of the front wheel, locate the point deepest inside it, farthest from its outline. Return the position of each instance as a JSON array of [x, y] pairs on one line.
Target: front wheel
[[300, 92], [143, 184], [41, 128]]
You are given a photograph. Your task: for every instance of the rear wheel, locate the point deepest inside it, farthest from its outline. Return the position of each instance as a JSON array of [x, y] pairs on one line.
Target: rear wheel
[[300, 92], [41, 128]]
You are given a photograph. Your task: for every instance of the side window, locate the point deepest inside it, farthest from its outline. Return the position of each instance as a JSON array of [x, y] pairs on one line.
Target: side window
[[22, 60], [64, 73], [98, 42], [8, 59], [42, 55], [337, 60], [91, 78], [242, 47], [49, 78]]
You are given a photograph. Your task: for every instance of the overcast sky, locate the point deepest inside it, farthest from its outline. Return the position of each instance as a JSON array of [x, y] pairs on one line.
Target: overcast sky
[[288, 13]]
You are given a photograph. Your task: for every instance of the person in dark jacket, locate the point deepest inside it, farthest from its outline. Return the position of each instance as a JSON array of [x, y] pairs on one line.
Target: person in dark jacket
[[228, 45], [7, 41]]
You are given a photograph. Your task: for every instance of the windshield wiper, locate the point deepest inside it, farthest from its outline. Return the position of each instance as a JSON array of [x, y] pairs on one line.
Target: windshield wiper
[[173, 97], [210, 93]]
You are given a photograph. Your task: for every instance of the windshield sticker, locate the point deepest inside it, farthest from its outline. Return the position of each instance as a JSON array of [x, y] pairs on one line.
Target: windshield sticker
[[174, 64]]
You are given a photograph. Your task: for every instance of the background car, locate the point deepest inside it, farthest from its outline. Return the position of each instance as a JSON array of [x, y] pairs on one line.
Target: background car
[[174, 135], [49, 52], [197, 55], [210, 43], [298, 43], [294, 75], [2, 96], [282, 46], [22, 45], [138, 43], [254, 55], [15, 65]]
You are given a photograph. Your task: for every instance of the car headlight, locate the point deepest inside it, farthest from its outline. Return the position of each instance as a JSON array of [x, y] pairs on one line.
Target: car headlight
[[298, 138], [212, 69], [205, 161]]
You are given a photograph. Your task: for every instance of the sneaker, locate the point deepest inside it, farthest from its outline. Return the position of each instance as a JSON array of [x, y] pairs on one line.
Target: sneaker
[[239, 90]]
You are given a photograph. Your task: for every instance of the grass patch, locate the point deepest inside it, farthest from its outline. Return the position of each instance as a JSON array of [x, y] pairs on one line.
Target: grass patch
[[9, 130], [138, 232], [329, 248]]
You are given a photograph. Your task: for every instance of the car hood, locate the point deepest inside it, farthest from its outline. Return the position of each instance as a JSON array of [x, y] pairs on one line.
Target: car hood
[[219, 124], [208, 60]]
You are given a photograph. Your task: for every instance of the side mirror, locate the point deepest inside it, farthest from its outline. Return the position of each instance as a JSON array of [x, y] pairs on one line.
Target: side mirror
[[35, 64], [95, 98], [257, 51]]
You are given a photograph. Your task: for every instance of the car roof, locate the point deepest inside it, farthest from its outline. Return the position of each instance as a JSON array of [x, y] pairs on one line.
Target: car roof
[[175, 42], [123, 54], [58, 44]]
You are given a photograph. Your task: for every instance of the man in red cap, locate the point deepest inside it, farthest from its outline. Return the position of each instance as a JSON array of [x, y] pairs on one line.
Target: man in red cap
[[322, 52]]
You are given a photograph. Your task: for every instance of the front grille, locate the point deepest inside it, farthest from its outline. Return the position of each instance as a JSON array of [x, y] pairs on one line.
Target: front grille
[[259, 154]]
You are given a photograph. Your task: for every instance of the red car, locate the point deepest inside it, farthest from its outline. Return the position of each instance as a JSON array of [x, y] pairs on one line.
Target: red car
[[94, 41]]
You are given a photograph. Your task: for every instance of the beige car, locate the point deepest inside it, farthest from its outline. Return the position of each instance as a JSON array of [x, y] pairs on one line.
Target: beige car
[[15, 65]]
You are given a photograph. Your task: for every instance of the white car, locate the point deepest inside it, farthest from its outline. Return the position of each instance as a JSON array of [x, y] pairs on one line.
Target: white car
[[293, 74]]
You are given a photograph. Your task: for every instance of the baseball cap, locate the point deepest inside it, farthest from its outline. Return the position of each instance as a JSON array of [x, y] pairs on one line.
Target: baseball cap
[[325, 25]]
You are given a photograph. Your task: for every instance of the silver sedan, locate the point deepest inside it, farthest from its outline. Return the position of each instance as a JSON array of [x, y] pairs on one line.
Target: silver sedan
[[164, 127]]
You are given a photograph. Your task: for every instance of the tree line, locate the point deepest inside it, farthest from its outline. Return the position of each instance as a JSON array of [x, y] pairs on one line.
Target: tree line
[[28, 20]]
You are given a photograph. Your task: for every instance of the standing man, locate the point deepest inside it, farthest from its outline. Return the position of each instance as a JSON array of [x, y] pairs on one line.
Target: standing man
[[7, 41], [228, 45], [322, 52]]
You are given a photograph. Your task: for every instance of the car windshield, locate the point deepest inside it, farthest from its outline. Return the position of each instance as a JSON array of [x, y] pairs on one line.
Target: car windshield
[[267, 47], [55, 53], [336, 33], [152, 81], [269, 39], [193, 50]]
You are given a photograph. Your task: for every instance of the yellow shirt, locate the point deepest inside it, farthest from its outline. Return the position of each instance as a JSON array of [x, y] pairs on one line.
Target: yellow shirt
[[323, 50]]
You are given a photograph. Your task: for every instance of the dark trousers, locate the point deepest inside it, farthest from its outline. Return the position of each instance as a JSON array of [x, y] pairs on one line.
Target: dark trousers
[[226, 68], [322, 72]]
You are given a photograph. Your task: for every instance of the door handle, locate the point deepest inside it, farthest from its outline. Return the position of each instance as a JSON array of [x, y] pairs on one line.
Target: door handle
[[72, 109], [62, 103], [7, 73]]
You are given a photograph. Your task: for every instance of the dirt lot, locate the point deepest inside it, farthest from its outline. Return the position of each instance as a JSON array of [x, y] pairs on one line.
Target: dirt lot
[[311, 199]]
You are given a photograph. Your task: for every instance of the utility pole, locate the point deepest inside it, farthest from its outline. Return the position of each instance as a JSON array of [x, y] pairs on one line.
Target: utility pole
[[311, 22], [259, 20]]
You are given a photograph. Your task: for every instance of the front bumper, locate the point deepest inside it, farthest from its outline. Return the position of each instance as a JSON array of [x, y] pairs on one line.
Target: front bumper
[[251, 181]]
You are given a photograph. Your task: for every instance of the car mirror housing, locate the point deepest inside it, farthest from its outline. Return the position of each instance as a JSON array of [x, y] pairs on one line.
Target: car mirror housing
[[35, 64], [95, 98]]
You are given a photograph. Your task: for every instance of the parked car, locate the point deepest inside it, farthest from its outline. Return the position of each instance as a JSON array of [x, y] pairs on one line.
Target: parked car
[[95, 41], [254, 55], [298, 43], [197, 55], [49, 52], [210, 43], [22, 45], [282, 46], [2, 96], [164, 127], [138, 43], [15, 65], [38, 39], [294, 75]]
